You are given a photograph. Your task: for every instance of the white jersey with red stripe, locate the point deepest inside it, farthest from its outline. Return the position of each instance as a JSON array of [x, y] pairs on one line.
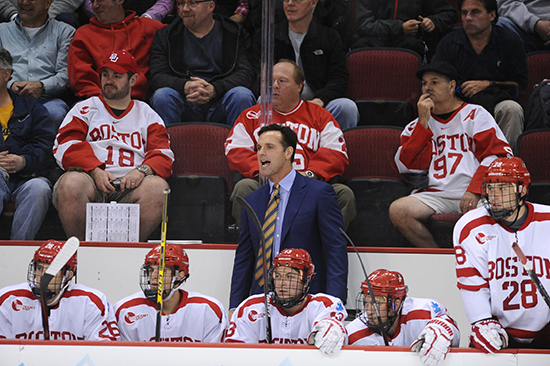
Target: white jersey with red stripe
[[83, 313], [248, 323], [321, 147], [92, 136], [415, 314], [453, 152], [490, 277], [198, 318]]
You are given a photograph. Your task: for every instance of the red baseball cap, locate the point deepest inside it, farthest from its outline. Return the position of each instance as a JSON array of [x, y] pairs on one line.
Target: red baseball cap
[[121, 62]]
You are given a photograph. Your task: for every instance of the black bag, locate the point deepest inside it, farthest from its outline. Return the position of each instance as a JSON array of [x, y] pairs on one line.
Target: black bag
[[537, 107]]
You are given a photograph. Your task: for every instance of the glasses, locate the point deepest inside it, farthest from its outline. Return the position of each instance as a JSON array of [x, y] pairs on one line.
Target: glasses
[[191, 4]]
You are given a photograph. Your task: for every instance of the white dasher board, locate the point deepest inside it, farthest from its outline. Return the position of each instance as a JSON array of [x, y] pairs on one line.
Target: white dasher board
[[112, 222]]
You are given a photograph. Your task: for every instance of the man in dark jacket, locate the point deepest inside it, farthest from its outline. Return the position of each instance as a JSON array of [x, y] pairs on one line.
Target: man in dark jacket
[[200, 69], [28, 134], [414, 25], [319, 51]]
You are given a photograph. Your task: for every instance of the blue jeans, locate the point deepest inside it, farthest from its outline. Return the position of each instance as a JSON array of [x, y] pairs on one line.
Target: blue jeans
[[32, 200], [344, 111], [57, 109], [172, 107]]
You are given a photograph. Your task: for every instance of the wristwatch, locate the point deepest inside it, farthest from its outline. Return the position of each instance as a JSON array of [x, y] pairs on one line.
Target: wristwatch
[[310, 174], [144, 169]]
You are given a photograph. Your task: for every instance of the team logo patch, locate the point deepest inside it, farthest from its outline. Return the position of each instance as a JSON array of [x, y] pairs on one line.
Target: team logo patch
[[253, 315], [253, 115], [436, 307], [17, 305], [113, 57], [482, 238], [131, 318], [85, 109]]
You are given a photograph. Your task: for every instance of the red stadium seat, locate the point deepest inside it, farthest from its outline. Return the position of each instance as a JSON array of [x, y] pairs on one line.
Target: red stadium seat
[[200, 182], [538, 64]]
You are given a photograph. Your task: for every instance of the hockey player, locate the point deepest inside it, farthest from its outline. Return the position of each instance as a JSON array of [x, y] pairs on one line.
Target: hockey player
[[77, 312], [296, 316], [187, 316], [422, 324], [501, 301]]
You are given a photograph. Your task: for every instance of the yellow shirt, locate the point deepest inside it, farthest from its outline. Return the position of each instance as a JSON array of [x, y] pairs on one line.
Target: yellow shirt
[[5, 115]]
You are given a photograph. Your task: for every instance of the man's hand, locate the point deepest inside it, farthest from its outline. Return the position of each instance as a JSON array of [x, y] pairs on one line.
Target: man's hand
[[426, 24], [103, 180], [469, 201], [318, 101], [328, 335], [28, 89], [237, 18], [488, 336], [542, 28], [434, 341], [425, 106], [198, 91], [131, 180], [11, 162], [471, 87], [411, 26]]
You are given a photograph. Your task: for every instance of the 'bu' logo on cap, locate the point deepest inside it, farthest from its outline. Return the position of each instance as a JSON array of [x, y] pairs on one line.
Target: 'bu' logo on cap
[[113, 57]]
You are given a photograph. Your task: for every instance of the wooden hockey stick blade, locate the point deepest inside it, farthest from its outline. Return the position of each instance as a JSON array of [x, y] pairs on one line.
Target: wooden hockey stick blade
[[256, 221], [523, 259], [67, 251]]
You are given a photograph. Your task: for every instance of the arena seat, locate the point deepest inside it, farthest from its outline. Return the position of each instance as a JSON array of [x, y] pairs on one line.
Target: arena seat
[[383, 75], [532, 147], [538, 64], [376, 183], [200, 182]]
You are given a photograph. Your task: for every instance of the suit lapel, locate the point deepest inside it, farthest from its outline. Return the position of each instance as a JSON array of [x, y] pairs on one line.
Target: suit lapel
[[295, 200]]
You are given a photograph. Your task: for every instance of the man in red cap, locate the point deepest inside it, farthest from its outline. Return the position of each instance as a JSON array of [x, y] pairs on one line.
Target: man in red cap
[[113, 148]]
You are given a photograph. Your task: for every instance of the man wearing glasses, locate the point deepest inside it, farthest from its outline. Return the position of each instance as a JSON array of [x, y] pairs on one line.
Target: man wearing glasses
[[200, 69]]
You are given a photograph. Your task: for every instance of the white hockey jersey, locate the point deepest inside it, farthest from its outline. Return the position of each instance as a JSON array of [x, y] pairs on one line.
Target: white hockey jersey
[[492, 280], [454, 152], [415, 315], [248, 323], [82, 313], [198, 318], [92, 136]]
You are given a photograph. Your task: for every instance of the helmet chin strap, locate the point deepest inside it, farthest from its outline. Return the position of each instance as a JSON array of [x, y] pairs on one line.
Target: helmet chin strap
[[175, 285], [56, 298]]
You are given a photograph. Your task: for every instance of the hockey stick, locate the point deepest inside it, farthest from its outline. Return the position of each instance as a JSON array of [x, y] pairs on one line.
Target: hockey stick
[[256, 221], [67, 251], [523, 259], [160, 279], [371, 293]]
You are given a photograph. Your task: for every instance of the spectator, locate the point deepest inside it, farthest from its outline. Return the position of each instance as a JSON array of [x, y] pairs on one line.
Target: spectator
[[186, 316], [76, 312], [152, 9], [111, 29], [321, 152], [491, 63], [319, 51], [301, 212], [422, 324], [28, 135], [39, 47], [501, 301], [453, 143], [415, 25], [315, 319], [107, 139], [529, 19], [62, 10], [200, 69]]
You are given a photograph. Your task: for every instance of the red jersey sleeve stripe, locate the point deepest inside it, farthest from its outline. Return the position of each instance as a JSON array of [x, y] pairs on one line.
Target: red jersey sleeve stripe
[[473, 224], [134, 302], [360, 334], [416, 314], [255, 300], [471, 287], [95, 299], [17, 293], [467, 272], [215, 308]]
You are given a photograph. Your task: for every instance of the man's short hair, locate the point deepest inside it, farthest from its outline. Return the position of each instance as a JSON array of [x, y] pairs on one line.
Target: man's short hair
[[289, 137], [489, 5], [6, 61], [299, 76]]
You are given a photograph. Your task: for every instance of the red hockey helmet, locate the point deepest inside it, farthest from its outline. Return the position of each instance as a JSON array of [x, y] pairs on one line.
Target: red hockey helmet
[[174, 257], [296, 258], [508, 170], [386, 283], [48, 251]]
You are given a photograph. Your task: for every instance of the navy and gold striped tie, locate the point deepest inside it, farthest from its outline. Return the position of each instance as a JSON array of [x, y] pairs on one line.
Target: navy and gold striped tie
[[268, 230]]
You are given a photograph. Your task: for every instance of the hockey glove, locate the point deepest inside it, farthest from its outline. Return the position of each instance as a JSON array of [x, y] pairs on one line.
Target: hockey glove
[[328, 335], [488, 336], [434, 341]]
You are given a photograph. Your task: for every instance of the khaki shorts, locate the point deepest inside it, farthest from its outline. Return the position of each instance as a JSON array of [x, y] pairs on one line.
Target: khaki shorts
[[437, 203], [100, 197]]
